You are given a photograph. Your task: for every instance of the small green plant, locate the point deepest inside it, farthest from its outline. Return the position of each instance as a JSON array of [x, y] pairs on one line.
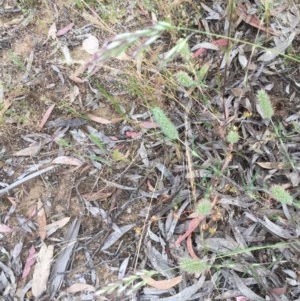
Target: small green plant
[[264, 107], [281, 195], [203, 207], [167, 127], [184, 79], [201, 74], [97, 141], [64, 143], [17, 61], [233, 137], [268, 6], [118, 156]]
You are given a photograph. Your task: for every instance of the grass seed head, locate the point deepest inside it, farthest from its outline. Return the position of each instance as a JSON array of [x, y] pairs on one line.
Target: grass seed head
[[281, 195], [264, 107], [233, 137], [192, 265], [184, 79], [203, 207], [167, 127]]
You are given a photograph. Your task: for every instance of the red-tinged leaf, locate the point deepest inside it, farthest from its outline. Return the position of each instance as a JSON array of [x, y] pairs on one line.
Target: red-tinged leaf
[[76, 79], [162, 284], [67, 160], [99, 119], [241, 298], [30, 260], [149, 125], [189, 245], [219, 42], [198, 52], [279, 290], [131, 134], [5, 229], [194, 223], [253, 20], [64, 30], [41, 220], [113, 138], [46, 115]]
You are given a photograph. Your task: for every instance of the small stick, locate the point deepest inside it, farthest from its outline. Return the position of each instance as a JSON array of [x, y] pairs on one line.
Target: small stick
[[23, 180]]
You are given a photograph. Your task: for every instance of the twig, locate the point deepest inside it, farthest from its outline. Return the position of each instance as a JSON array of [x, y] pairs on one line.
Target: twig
[[22, 181]]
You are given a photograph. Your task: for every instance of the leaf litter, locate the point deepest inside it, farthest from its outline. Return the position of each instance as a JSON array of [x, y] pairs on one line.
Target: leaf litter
[[109, 195]]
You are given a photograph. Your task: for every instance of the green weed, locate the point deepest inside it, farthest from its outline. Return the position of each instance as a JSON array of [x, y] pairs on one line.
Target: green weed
[[281, 195], [233, 137]]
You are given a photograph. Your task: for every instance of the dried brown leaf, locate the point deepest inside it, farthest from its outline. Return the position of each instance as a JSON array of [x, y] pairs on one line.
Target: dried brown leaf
[[46, 115], [67, 160], [42, 270], [274, 165], [5, 229], [189, 245], [279, 290], [64, 30], [53, 227], [148, 125], [80, 287], [41, 220], [97, 196], [99, 119], [162, 284], [52, 31], [30, 151], [187, 293]]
